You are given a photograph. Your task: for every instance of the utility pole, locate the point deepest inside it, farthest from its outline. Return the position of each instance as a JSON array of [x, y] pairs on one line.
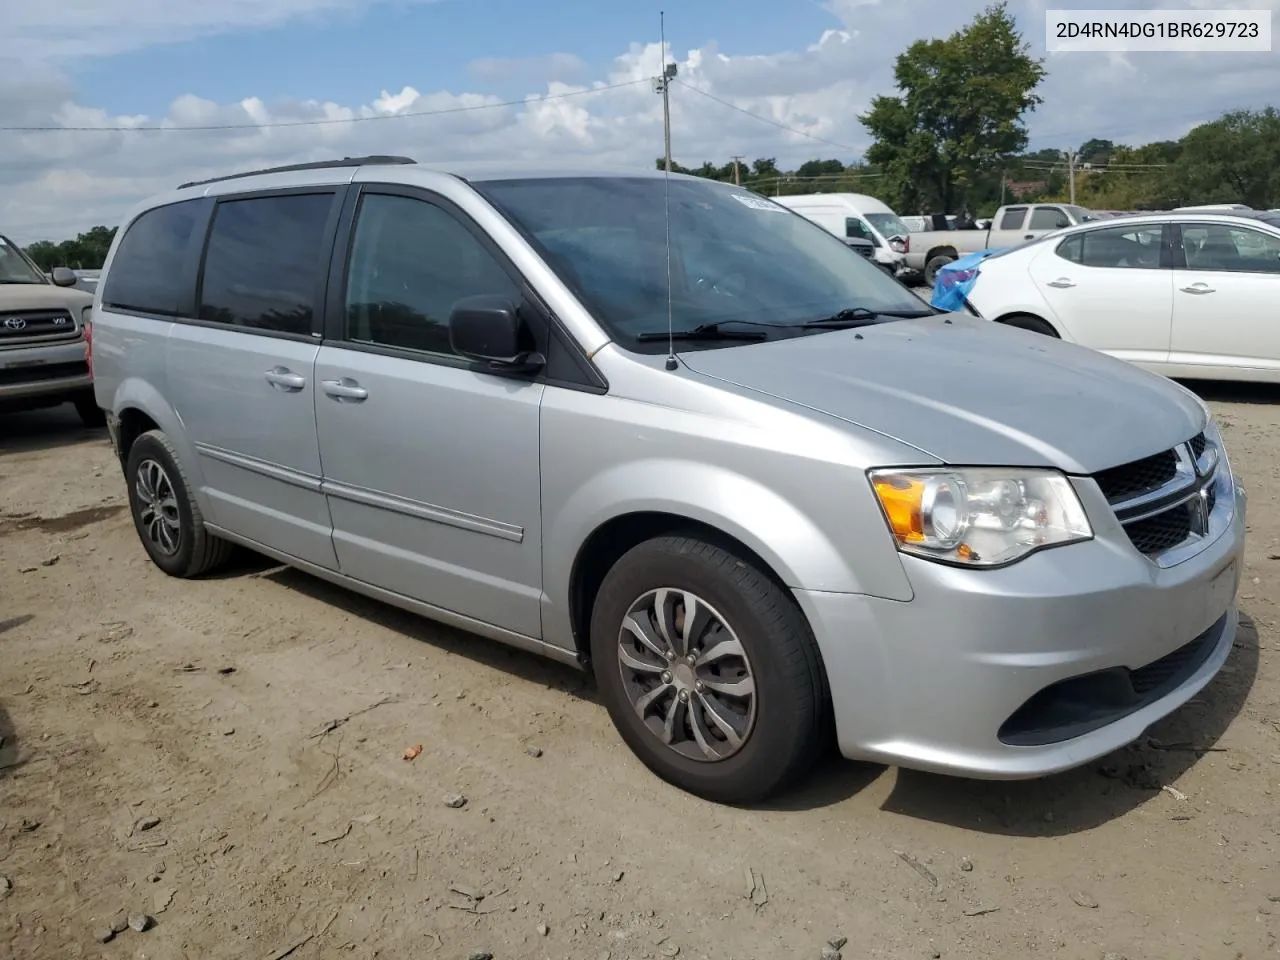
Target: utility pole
[[1071, 175], [737, 179], [663, 85]]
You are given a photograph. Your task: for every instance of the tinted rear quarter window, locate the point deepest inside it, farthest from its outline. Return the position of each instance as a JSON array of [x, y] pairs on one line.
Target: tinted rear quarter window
[[1071, 248], [264, 262], [147, 274], [1012, 219]]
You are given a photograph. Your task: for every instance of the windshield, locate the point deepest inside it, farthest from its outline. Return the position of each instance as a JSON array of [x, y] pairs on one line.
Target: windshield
[[15, 267], [1080, 214], [888, 224], [735, 256]]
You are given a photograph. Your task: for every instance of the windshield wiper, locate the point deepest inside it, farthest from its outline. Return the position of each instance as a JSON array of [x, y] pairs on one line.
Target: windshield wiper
[[862, 317], [704, 331]]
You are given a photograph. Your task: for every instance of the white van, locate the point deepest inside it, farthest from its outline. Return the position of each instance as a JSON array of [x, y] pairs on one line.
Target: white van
[[856, 216]]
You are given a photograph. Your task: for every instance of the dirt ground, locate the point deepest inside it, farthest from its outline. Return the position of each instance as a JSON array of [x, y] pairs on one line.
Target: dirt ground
[[261, 718]]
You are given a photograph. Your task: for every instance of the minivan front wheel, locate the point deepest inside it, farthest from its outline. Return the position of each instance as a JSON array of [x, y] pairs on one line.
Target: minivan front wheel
[[165, 514], [709, 670]]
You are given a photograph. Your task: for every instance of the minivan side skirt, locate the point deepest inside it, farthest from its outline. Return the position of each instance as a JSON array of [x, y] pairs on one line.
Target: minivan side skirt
[[430, 612]]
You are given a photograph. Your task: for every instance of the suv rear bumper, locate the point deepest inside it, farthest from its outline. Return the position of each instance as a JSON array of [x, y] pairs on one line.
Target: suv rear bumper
[[1033, 669], [44, 370]]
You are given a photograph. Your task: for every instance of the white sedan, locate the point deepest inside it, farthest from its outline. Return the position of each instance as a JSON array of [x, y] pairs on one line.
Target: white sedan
[[1185, 294]]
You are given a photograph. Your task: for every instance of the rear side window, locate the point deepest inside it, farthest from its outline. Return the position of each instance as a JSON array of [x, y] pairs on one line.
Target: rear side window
[[1012, 219], [264, 262], [1127, 247], [146, 274]]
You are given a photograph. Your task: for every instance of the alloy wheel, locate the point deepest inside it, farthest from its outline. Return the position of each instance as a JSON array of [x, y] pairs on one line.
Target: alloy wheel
[[687, 675]]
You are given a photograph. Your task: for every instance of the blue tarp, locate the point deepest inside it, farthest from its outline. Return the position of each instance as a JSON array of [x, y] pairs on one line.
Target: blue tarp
[[957, 278]]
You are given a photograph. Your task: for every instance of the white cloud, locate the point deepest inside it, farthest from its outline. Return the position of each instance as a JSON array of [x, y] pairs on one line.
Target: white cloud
[[54, 184]]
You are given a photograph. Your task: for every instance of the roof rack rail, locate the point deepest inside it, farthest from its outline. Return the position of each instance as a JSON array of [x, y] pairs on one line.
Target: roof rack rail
[[316, 165]]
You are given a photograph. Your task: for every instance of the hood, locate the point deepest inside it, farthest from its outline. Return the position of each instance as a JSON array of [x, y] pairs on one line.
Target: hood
[[42, 296], [969, 392]]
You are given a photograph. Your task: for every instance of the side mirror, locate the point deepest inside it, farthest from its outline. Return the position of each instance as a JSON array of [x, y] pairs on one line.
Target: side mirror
[[63, 277], [488, 328], [1063, 222]]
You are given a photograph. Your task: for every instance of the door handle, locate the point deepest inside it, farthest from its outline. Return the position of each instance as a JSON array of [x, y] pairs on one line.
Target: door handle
[[1198, 288], [1029, 236], [282, 378], [1062, 283], [344, 390]]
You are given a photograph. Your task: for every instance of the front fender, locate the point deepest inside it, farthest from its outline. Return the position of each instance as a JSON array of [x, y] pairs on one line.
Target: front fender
[[785, 537]]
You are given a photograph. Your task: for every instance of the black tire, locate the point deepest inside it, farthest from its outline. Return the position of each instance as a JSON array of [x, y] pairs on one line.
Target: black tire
[[1025, 321], [197, 551], [934, 265], [791, 694], [91, 415]]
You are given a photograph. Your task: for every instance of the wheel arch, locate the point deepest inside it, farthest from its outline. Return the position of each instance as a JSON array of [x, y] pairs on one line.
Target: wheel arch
[[1007, 318], [607, 544], [139, 407]]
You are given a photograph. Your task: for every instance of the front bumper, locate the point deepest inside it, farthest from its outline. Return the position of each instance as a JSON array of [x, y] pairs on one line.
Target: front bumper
[[44, 370], [945, 682]]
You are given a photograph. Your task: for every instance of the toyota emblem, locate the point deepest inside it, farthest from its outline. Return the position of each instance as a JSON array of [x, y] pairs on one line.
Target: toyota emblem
[[15, 323]]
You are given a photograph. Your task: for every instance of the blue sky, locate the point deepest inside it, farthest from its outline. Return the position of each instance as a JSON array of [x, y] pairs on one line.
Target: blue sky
[[112, 65], [430, 46]]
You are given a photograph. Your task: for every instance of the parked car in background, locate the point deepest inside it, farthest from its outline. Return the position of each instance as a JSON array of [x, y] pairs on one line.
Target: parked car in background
[[43, 321], [87, 280], [1186, 294], [1012, 224], [855, 216], [1214, 206], [663, 428]]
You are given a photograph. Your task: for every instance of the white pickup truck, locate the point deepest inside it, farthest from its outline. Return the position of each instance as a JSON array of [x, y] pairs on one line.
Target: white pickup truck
[[928, 251]]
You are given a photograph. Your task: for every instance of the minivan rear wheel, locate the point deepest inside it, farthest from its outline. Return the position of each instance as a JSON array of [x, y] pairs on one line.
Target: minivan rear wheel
[[709, 670], [165, 514]]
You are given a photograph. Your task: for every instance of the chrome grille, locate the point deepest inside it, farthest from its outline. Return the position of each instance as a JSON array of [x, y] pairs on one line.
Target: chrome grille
[[1165, 501], [1141, 476], [26, 326]]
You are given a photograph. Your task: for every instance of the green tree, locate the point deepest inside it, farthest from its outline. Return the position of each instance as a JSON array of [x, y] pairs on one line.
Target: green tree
[[1095, 151], [1235, 159], [958, 115], [88, 251]]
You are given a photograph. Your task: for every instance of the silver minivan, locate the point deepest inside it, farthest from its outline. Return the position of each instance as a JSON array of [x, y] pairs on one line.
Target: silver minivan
[[666, 429]]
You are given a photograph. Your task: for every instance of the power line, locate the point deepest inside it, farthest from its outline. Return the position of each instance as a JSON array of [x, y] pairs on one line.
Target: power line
[[771, 122], [327, 121]]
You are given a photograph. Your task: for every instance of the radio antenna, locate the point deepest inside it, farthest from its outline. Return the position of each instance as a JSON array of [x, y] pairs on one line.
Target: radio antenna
[[664, 83]]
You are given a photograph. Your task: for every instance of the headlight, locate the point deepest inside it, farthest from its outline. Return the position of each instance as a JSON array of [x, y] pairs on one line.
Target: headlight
[[979, 518], [86, 316]]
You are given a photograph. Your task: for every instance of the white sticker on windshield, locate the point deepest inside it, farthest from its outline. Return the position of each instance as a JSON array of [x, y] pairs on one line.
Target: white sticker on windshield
[[758, 203]]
